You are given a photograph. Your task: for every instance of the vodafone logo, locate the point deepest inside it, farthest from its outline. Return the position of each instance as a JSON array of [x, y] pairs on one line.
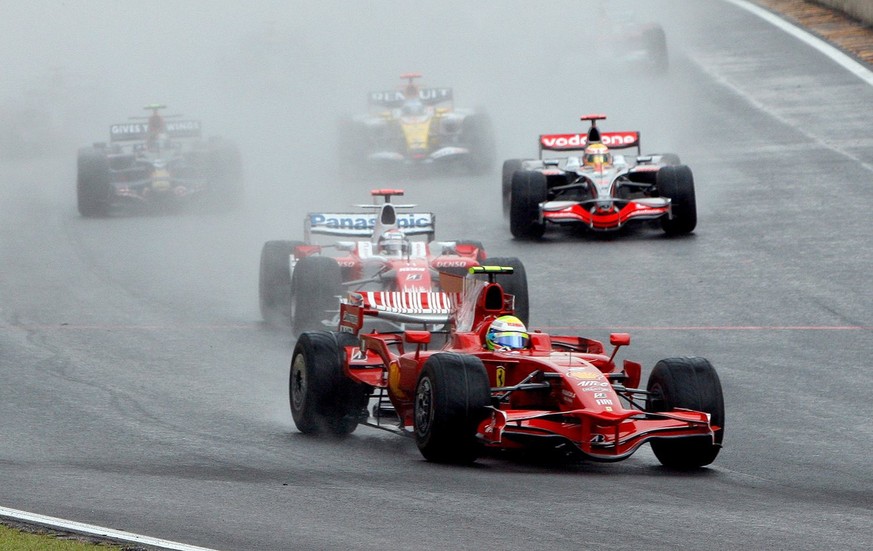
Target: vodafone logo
[[579, 141]]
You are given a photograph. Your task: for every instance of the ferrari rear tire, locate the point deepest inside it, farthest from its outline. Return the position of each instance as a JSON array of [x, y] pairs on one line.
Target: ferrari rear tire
[[514, 284], [450, 401], [92, 183], [315, 285], [274, 281], [529, 189], [677, 184], [688, 383], [510, 167], [322, 398]]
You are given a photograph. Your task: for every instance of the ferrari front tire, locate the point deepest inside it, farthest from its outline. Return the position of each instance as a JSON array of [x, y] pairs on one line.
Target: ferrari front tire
[[529, 189], [322, 398], [687, 383], [450, 401]]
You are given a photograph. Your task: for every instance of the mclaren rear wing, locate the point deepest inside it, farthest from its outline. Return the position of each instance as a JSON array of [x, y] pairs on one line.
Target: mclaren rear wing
[[578, 141]]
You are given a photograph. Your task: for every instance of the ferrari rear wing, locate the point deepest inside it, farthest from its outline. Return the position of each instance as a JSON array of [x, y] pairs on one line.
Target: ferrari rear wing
[[361, 224], [427, 308], [138, 131], [578, 141]]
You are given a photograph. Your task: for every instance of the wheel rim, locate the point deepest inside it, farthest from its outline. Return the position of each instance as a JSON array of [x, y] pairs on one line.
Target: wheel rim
[[423, 406], [298, 382]]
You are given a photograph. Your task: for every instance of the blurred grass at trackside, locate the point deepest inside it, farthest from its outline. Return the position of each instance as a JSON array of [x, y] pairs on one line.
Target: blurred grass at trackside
[[14, 539]]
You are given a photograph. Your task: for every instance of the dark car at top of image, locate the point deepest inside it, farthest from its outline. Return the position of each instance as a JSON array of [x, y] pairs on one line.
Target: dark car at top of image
[[157, 163], [416, 127], [597, 190]]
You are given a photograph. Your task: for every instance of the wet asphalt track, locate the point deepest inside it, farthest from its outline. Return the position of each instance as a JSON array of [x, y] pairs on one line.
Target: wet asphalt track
[[140, 391]]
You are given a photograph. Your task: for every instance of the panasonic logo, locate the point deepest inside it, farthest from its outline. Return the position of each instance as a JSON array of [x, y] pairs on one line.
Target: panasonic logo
[[362, 222]]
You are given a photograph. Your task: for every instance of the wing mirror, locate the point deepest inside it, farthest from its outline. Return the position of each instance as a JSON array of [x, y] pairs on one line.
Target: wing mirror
[[618, 340]]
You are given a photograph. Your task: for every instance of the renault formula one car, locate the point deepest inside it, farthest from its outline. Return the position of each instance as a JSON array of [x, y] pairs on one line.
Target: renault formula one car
[[499, 390], [597, 190], [301, 281], [416, 127], [156, 162]]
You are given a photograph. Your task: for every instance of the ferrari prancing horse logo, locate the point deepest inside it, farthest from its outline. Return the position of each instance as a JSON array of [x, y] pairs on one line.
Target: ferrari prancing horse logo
[[500, 376]]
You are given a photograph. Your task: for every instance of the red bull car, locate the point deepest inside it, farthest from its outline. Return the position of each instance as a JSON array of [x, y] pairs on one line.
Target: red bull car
[[387, 247], [158, 162], [415, 127], [597, 189], [494, 385]]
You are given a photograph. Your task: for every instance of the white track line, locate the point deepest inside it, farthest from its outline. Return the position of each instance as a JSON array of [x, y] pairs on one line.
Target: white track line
[[92, 530], [835, 54]]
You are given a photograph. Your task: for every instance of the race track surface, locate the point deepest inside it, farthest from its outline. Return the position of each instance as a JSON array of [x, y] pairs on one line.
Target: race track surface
[[139, 389]]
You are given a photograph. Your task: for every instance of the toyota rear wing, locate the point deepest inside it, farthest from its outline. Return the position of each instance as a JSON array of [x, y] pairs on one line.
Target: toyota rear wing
[[362, 224]]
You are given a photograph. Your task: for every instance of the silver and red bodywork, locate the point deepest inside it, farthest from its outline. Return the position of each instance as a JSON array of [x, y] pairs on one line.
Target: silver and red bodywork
[[601, 197], [562, 390]]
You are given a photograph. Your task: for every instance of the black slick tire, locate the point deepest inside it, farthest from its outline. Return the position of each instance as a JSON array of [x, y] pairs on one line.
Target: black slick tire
[[677, 184], [451, 398], [315, 285], [323, 400], [92, 183], [529, 189], [690, 383], [510, 167], [274, 281]]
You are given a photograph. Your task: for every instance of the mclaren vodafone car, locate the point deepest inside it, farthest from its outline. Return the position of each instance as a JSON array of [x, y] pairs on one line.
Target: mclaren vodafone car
[[388, 247], [494, 384], [415, 127], [157, 162], [597, 189]]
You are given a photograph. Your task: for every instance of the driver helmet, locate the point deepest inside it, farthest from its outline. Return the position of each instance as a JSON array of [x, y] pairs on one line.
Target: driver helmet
[[412, 108], [507, 332], [393, 243], [597, 154]]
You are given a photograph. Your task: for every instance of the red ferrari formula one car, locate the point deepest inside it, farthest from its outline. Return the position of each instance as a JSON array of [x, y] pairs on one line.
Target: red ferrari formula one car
[[301, 281], [597, 190], [496, 385]]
